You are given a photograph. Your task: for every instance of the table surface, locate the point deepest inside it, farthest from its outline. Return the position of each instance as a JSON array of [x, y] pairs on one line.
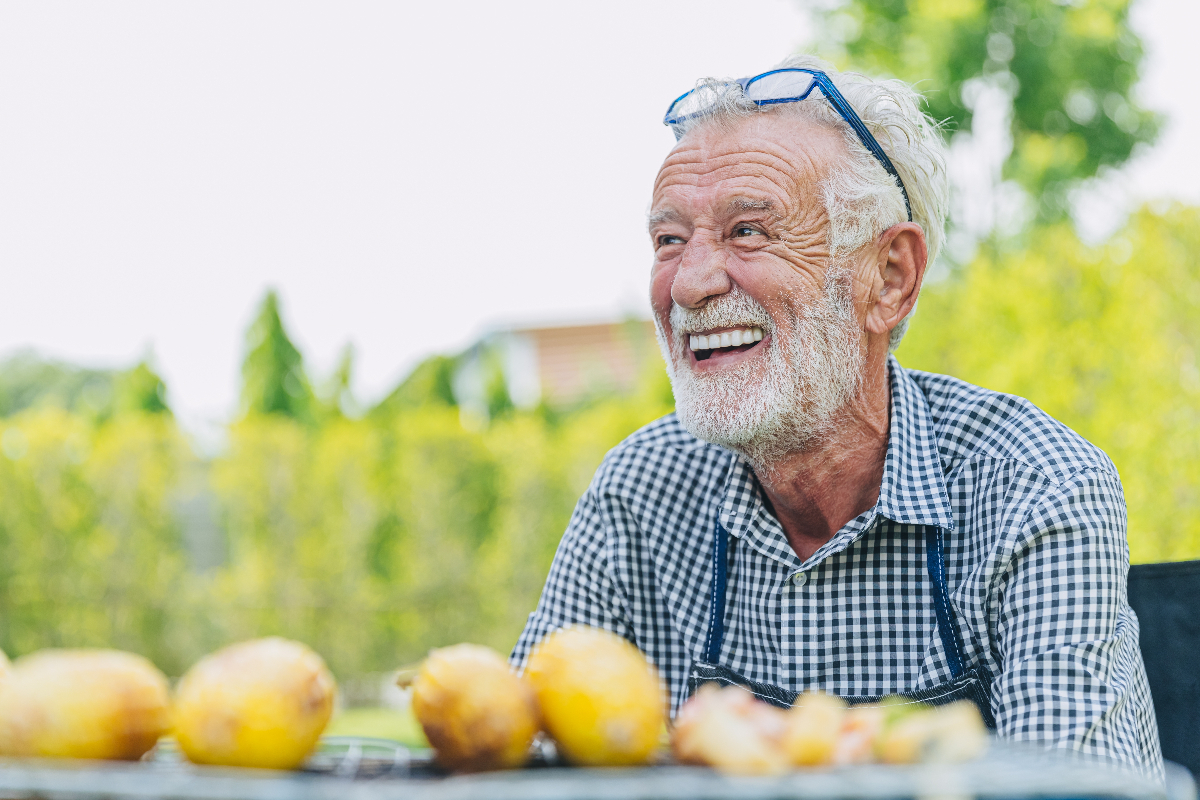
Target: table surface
[[1006, 771]]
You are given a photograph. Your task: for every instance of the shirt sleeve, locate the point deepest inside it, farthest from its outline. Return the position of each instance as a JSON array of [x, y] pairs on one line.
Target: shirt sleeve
[[1072, 672], [580, 588]]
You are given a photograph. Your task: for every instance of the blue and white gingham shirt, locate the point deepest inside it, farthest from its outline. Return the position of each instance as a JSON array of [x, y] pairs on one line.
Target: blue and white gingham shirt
[[1036, 561]]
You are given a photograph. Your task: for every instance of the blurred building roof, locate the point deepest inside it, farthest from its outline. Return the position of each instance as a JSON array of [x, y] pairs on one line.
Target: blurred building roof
[[559, 365]]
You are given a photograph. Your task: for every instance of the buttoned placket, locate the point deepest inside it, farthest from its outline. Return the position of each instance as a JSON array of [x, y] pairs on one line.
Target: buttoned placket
[[745, 515]]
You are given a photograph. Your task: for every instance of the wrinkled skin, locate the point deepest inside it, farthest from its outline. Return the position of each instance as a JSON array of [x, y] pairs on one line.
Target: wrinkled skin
[[741, 206]]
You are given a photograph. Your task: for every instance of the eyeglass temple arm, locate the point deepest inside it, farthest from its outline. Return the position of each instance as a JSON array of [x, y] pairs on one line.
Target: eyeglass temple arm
[[848, 113]]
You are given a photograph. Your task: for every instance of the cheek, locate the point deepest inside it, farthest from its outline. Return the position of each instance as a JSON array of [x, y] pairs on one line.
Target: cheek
[[662, 278]]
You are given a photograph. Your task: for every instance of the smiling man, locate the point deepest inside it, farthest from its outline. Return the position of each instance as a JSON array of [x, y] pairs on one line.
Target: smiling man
[[814, 516]]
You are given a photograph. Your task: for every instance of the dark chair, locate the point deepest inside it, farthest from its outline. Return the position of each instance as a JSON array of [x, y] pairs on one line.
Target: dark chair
[[1166, 598]]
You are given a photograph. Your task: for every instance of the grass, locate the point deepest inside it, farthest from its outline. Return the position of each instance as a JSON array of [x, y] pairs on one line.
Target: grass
[[379, 723]]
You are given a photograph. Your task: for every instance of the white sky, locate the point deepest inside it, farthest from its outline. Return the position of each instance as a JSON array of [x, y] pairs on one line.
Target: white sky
[[406, 174]]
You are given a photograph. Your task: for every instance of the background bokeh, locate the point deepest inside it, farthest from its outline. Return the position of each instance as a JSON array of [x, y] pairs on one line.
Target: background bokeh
[[188, 458]]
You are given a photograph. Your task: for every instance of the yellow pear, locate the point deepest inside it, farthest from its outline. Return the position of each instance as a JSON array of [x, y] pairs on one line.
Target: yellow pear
[[262, 703], [813, 727], [475, 711], [599, 697], [82, 704]]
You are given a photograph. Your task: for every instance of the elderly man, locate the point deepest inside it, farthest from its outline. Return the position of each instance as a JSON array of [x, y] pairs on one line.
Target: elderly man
[[815, 516]]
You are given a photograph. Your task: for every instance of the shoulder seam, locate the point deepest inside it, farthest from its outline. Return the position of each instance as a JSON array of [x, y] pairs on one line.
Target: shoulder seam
[[1059, 477]]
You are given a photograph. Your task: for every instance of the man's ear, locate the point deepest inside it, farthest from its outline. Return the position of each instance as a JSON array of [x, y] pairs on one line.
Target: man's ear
[[901, 268]]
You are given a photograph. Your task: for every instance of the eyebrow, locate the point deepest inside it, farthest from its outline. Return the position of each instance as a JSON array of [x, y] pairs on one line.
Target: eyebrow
[[659, 217], [752, 204], [734, 205]]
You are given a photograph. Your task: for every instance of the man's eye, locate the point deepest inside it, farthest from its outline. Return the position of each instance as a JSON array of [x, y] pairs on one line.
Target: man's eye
[[663, 241], [745, 230]]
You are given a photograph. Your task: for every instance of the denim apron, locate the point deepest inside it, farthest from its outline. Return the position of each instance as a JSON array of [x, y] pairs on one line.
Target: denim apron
[[965, 684]]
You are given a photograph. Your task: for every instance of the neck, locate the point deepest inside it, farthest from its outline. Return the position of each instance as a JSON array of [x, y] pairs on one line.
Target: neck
[[817, 490]]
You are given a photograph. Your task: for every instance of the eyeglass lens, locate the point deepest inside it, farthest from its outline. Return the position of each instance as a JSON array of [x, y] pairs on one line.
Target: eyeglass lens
[[694, 102], [779, 86]]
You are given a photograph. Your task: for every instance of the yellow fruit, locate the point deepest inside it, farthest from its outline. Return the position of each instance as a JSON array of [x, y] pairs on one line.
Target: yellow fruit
[[953, 732], [82, 704], [599, 697], [813, 726], [476, 713], [262, 703], [729, 730]]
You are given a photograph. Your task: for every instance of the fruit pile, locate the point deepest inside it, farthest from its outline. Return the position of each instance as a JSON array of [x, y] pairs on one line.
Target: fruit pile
[[265, 703], [602, 703], [262, 703], [732, 731]]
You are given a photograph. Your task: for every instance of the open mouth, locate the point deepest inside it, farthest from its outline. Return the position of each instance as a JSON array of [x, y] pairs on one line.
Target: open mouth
[[705, 346]]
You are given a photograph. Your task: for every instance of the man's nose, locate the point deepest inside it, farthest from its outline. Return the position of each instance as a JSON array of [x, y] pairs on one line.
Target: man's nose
[[701, 274]]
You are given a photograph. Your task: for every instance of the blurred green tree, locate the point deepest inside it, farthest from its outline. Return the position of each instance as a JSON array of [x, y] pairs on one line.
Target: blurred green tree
[[1069, 68], [273, 376], [336, 394], [29, 381], [140, 389]]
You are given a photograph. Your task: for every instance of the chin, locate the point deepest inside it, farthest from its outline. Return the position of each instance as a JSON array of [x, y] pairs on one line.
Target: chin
[[783, 401]]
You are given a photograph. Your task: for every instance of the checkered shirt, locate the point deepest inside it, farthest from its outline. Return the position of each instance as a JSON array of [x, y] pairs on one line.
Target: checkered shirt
[[1036, 561]]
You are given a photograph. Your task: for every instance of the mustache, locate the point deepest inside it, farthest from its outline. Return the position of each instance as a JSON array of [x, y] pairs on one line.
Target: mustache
[[731, 310]]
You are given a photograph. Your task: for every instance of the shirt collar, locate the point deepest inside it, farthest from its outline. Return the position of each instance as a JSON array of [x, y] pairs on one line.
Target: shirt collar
[[913, 490], [914, 481]]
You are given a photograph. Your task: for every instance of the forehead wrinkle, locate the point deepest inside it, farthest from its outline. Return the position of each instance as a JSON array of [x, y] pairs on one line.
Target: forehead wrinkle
[[788, 176], [788, 155]]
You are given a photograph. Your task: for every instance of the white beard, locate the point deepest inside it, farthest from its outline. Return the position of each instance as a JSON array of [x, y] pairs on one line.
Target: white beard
[[782, 400]]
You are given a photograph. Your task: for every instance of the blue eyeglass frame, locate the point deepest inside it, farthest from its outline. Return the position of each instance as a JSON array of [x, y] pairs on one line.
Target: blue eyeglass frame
[[835, 98]]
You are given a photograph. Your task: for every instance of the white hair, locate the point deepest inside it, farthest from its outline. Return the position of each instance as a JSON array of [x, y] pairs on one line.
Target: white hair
[[861, 199]]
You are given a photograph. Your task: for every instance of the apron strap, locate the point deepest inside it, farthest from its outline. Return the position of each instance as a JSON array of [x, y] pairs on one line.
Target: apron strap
[[716, 605], [936, 562]]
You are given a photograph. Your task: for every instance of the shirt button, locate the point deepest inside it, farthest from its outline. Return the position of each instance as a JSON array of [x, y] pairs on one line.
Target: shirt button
[[800, 578]]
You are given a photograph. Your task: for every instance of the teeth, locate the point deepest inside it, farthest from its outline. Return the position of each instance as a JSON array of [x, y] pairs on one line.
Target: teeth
[[727, 339]]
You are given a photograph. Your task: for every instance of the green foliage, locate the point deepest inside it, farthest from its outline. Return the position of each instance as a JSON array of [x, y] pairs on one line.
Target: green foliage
[[371, 539], [140, 389], [1104, 339], [28, 381], [1071, 68], [337, 396], [273, 377], [91, 548], [430, 384]]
